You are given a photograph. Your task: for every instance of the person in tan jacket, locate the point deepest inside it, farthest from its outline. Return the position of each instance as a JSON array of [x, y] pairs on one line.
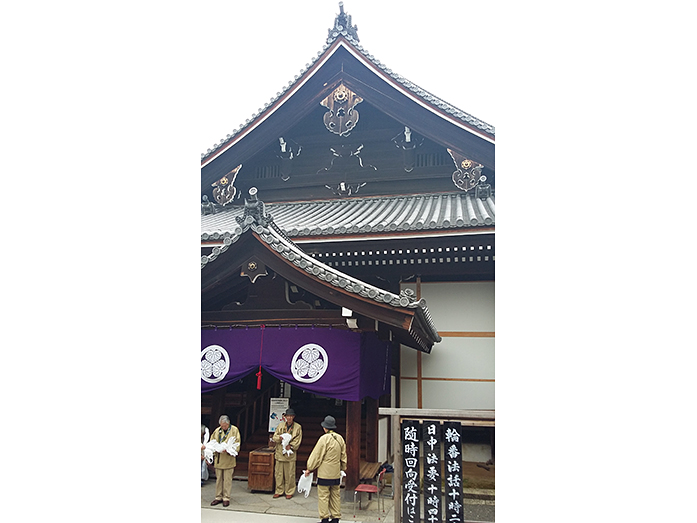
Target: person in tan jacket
[[285, 461], [328, 458], [224, 462]]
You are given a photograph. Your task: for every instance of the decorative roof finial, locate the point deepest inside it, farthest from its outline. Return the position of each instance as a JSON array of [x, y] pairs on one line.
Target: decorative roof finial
[[254, 212], [342, 26]]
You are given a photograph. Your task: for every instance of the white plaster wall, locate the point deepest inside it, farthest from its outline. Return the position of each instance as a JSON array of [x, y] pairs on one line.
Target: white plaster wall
[[407, 361], [455, 307], [476, 452], [408, 394], [383, 424], [457, 395], [460, 358], [461, 306]]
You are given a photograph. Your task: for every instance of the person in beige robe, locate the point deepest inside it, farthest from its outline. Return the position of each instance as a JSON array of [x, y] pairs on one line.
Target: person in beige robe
[[285, 462], [223, 462], [328, 458]]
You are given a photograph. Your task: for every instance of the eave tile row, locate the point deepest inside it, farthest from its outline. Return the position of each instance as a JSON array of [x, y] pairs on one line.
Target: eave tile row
[[427, 212]]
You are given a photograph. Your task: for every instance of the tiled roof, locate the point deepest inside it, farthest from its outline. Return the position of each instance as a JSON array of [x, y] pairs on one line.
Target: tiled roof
[[260, 222], [334, 34], [426, 212]]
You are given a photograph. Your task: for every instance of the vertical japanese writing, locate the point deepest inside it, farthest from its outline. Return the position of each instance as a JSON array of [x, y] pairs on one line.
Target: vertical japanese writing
[[452, 473], [411, 511], [433, 498]]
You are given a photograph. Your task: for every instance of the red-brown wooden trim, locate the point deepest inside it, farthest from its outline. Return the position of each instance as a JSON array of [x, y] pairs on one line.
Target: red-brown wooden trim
[[445, 379], [473, 334]]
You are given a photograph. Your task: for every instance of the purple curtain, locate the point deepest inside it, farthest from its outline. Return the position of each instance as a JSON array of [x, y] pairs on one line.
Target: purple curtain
[[335, 363]]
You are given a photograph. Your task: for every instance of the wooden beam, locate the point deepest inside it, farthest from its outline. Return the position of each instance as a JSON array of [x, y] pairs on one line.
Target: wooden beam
[[353, 445], [438, 413], [365, 306], [273, 315], [466, 334], [405, 322], [447, 379]]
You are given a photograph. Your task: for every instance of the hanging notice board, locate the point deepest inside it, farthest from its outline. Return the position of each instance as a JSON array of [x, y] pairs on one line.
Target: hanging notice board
[[277, 408]]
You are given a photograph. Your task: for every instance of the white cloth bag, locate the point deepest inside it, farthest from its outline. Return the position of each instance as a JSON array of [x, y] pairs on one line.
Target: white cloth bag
[[305, 483], [204, 470], [208, 455]]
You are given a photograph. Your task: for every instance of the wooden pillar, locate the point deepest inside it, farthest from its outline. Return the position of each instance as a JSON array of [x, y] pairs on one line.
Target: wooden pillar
[[397, 372], [371, 430], [419, 374], [419, 381], [397, 465], [353, 446]]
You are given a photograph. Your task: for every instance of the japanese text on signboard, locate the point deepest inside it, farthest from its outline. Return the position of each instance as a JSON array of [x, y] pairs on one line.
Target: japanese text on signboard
[[436, 450]]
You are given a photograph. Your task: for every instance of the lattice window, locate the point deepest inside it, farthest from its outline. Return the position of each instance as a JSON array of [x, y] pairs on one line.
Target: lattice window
[[431, 159], [267, 171]]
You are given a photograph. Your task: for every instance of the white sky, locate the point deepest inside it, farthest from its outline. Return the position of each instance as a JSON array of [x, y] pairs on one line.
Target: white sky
[[442, 46]]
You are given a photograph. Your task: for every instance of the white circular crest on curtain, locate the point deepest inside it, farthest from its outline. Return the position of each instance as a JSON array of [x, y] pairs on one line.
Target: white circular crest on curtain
[[309, 363], [215, 362]]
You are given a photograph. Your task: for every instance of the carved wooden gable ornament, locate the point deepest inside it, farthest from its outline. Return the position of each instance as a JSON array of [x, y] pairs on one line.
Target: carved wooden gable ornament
[[342, 116], [225, 189], [468, 174]]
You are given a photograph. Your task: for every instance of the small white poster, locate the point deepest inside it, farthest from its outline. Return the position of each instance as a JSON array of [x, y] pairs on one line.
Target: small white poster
[[277, 407]]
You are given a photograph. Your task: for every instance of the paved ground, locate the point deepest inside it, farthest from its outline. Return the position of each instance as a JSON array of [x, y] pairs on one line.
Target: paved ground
[[260, 507]]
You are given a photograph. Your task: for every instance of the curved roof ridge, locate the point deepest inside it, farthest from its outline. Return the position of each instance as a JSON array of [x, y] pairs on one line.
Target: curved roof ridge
[[264, 226], [347, 34]]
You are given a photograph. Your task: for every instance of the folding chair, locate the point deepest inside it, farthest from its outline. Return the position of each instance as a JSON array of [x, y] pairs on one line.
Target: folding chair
[[370, 489]]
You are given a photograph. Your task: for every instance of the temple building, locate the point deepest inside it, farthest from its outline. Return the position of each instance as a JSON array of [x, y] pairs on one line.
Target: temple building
[[347, 236]]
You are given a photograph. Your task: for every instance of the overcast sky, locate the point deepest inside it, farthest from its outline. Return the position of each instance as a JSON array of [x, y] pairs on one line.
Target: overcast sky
[[444, 47]]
